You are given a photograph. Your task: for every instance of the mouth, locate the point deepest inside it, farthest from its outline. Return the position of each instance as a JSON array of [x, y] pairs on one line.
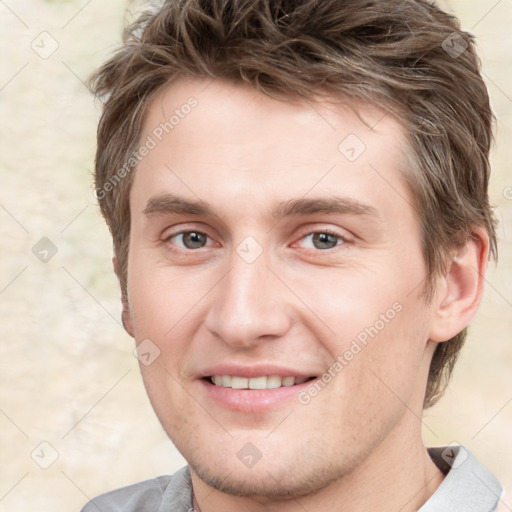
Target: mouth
[[259, 388], [256, 383]]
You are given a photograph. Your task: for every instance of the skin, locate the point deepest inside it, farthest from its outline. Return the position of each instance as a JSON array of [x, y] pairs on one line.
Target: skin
[[300, 304]]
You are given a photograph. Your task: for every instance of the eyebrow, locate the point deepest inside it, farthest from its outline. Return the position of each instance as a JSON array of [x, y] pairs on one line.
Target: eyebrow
[[169, 203], [334, 204], [172, 204]]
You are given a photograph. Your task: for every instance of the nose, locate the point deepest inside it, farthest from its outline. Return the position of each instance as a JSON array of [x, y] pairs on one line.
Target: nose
[[250, 305]]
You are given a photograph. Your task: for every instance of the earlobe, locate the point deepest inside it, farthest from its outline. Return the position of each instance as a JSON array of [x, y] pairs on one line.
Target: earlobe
[[460, 289], [126, 317]]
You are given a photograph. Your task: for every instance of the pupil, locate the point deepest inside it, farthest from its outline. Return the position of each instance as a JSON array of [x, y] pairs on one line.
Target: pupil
[[324, 240], [193, 240]]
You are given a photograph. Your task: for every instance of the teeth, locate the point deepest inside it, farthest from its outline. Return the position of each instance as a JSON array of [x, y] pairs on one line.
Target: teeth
[[272, 382], [288, 381], [239, 383], [258, 383]]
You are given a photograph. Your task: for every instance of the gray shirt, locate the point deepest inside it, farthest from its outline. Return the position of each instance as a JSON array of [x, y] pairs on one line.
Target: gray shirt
[[467, 487]]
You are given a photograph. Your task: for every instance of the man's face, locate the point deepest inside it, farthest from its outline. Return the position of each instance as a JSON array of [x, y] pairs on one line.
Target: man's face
[[269, 241]]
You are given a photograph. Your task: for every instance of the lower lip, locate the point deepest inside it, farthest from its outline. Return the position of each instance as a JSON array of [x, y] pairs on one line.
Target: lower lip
[[252, 400]]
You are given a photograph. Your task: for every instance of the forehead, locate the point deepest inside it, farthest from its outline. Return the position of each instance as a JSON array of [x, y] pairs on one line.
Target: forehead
[[217, 138]]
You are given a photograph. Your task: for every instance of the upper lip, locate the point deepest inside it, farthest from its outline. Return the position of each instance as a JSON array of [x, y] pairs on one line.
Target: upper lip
[[255, 370]]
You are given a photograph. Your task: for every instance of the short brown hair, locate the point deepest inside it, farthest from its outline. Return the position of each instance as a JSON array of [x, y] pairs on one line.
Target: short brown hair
[[406, 56]]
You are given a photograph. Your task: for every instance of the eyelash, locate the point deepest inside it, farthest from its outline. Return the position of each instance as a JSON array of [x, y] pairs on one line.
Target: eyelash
[[174, 235], [342, 239]]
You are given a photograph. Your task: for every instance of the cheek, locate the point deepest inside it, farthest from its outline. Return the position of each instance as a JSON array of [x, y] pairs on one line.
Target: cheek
[[390, 369], [161, 303], [379, 331], [375, 299], [349, 301]]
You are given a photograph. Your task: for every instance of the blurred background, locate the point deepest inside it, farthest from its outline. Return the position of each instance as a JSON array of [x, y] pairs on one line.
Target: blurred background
[[74, 417]]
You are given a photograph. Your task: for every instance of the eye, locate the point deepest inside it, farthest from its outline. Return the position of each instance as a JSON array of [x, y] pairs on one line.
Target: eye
[[322, 240], [189, 239]]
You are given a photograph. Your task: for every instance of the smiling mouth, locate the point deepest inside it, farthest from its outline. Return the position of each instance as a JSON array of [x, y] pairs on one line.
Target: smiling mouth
[[263, 382]]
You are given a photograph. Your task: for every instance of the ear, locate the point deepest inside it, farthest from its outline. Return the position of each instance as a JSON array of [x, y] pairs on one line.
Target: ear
[[460, 290], [125, 315]]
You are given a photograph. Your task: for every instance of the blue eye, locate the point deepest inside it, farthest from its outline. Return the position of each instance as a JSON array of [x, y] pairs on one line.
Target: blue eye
[[190, 239], [320, 240], [324, 240]]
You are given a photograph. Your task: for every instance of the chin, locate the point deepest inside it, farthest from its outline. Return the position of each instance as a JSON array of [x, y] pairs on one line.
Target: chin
[[264, 483], [280, 475]]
